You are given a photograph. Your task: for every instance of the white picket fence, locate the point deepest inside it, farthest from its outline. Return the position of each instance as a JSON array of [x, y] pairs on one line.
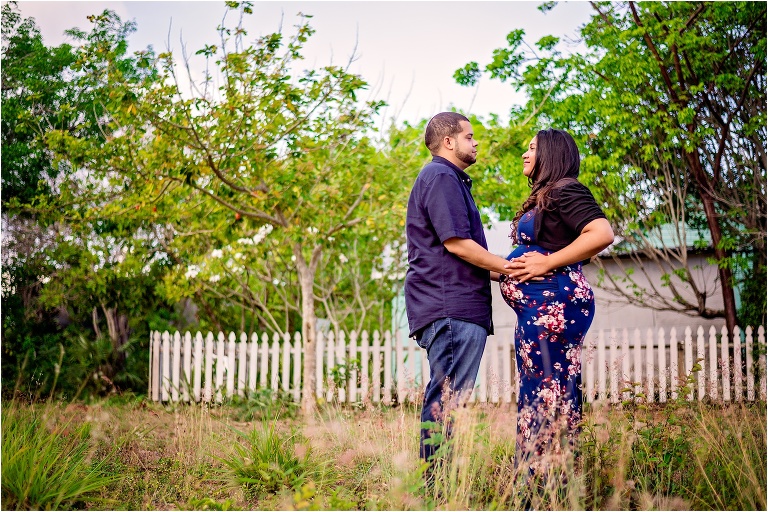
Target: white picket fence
[[383, 368]]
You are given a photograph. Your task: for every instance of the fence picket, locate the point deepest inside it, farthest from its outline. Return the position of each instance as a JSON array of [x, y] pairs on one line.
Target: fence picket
[[725, 367], [700, 361], [253, 362], [242, 356], [319, 377], [688, 360], [662, 367], [738, 390], [713, 363], [614, 367], [387, 368], [230, 369], [297, 351], [165, 358], [750, 368], [156, 376], [274, 379], [186, 378], [182, 366], [601, 367], [674, 367], [208, 393], [199, 365], [649, 373], [286, 366], [376, 377], [365, 391], [352, 370], [341, 361], [221, 366], [264, 368], [762, 351]]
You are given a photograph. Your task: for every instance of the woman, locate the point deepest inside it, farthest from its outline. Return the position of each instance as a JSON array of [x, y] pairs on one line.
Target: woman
[[558, 227]]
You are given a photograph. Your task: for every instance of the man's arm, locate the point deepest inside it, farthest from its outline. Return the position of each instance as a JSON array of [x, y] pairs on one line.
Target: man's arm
[[472, 252]]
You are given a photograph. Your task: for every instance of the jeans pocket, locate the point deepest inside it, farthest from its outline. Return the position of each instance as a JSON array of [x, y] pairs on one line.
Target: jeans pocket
[[428, 335]]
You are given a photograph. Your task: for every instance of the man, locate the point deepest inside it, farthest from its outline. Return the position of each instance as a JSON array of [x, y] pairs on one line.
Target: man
[[447, 286]]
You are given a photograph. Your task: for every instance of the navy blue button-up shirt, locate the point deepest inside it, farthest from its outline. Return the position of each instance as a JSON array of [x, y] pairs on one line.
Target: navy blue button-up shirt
[[439, 284]]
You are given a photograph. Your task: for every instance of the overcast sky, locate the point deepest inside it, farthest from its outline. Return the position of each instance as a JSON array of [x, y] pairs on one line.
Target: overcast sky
[[407, 51]]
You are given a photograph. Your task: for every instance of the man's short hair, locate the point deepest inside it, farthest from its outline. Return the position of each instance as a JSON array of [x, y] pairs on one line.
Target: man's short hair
[[444, 124]]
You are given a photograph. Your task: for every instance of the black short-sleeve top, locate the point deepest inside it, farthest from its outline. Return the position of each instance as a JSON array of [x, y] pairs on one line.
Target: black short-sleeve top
[[439, 284], [572, 206]]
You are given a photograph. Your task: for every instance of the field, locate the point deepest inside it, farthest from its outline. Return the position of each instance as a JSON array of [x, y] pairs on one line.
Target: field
[[257, 454]]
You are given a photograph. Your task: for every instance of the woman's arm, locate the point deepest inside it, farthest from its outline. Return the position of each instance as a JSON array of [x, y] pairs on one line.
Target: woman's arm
[[596, 236]]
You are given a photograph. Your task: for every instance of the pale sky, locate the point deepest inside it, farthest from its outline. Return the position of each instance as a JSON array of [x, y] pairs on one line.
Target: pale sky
[[407, 51]]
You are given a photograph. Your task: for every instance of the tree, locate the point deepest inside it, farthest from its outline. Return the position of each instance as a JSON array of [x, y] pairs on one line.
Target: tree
[[667, 95], [64, 272], [270, 148]]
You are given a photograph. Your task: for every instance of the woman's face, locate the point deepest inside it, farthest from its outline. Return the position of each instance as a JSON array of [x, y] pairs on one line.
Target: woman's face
[[529, 158]]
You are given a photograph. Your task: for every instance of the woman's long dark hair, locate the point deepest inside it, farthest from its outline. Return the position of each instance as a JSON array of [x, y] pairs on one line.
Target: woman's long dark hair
[[557, 158]]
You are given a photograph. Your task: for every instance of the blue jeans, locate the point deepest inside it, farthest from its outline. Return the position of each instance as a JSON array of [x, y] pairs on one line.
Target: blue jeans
[[454, 349]]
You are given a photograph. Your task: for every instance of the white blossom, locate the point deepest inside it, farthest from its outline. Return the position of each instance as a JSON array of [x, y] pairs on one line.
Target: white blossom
[[214, 278], [217, 253], [262, 233], [192, 271], [343, 258]]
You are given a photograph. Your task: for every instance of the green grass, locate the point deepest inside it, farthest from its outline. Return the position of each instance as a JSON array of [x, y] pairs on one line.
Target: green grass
[[48, 463], [132, 454]]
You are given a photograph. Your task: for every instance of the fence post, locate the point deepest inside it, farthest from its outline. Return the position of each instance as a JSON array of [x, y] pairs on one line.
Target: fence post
[[637, 385], [588, 361], [231, 367]]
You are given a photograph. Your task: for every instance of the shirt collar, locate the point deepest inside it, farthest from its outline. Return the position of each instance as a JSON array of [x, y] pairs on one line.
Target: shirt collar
[[463, 176]]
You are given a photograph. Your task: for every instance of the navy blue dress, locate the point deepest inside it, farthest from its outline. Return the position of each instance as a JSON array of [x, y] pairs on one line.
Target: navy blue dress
[[553, 316]]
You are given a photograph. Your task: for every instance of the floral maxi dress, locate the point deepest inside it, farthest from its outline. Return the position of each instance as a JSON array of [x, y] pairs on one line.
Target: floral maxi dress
[[553, 316]]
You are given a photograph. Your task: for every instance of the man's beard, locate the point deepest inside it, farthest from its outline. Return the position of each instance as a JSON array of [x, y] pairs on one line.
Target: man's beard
[[467, 158]]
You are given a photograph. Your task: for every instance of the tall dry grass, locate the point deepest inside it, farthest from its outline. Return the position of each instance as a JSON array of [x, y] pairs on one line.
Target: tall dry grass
[[681, 456]]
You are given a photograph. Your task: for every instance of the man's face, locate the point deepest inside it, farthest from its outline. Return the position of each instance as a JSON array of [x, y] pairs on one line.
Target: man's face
[[466, 145]]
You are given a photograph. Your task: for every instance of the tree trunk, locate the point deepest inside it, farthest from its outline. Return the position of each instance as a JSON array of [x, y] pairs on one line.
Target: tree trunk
[[726, 276], [307, 273]]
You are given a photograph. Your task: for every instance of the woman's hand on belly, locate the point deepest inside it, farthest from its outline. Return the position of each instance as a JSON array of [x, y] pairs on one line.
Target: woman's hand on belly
[[530, 266]]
